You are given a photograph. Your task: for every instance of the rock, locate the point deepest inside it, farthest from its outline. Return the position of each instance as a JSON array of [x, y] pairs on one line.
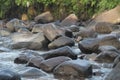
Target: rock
[[86, 33], [73, 28], [110, 40], [25, 57], [37, 28], [51, 31], [114, 74], [30, 72], [23, 30], [2, 24], [73, 70], [35, 61], [89, 45], [63, 51], [107, 48], [14, 24], [29, 41], [69, 20], [106, 56], [103, 27], [4, 32], [29, 24], [9, 75], [60, 42], [49, 64], [90, 57], [113, 16], [45, 17], [116, 61]]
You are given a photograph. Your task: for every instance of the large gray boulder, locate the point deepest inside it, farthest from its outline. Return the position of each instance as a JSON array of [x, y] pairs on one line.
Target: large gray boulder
[[29, 41], [73, 69]]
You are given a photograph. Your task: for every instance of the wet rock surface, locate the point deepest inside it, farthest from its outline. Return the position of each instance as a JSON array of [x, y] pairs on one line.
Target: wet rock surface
[[67, 51]]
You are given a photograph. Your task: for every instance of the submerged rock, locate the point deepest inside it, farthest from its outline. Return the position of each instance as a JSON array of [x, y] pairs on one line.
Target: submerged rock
[[9, 75], [31, 72]]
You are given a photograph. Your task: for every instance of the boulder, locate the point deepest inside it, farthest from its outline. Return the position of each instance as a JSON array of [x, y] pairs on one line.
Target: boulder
[[89, 45], [106, 56], [110, 16], [14, 24], [45, 17], [73, 70], [103, 27], [110, 40], [60, 42], [114, 74], [31, 72], [69, 20], [86, 33], [9, 75], [29, 41], [51, 32], [63, 51], [49, 64]]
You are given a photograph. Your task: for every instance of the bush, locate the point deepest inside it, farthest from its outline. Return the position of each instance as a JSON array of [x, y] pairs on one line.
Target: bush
[[84, 9]]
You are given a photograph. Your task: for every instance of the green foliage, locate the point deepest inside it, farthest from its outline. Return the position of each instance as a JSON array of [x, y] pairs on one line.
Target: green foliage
[[83, 8]]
